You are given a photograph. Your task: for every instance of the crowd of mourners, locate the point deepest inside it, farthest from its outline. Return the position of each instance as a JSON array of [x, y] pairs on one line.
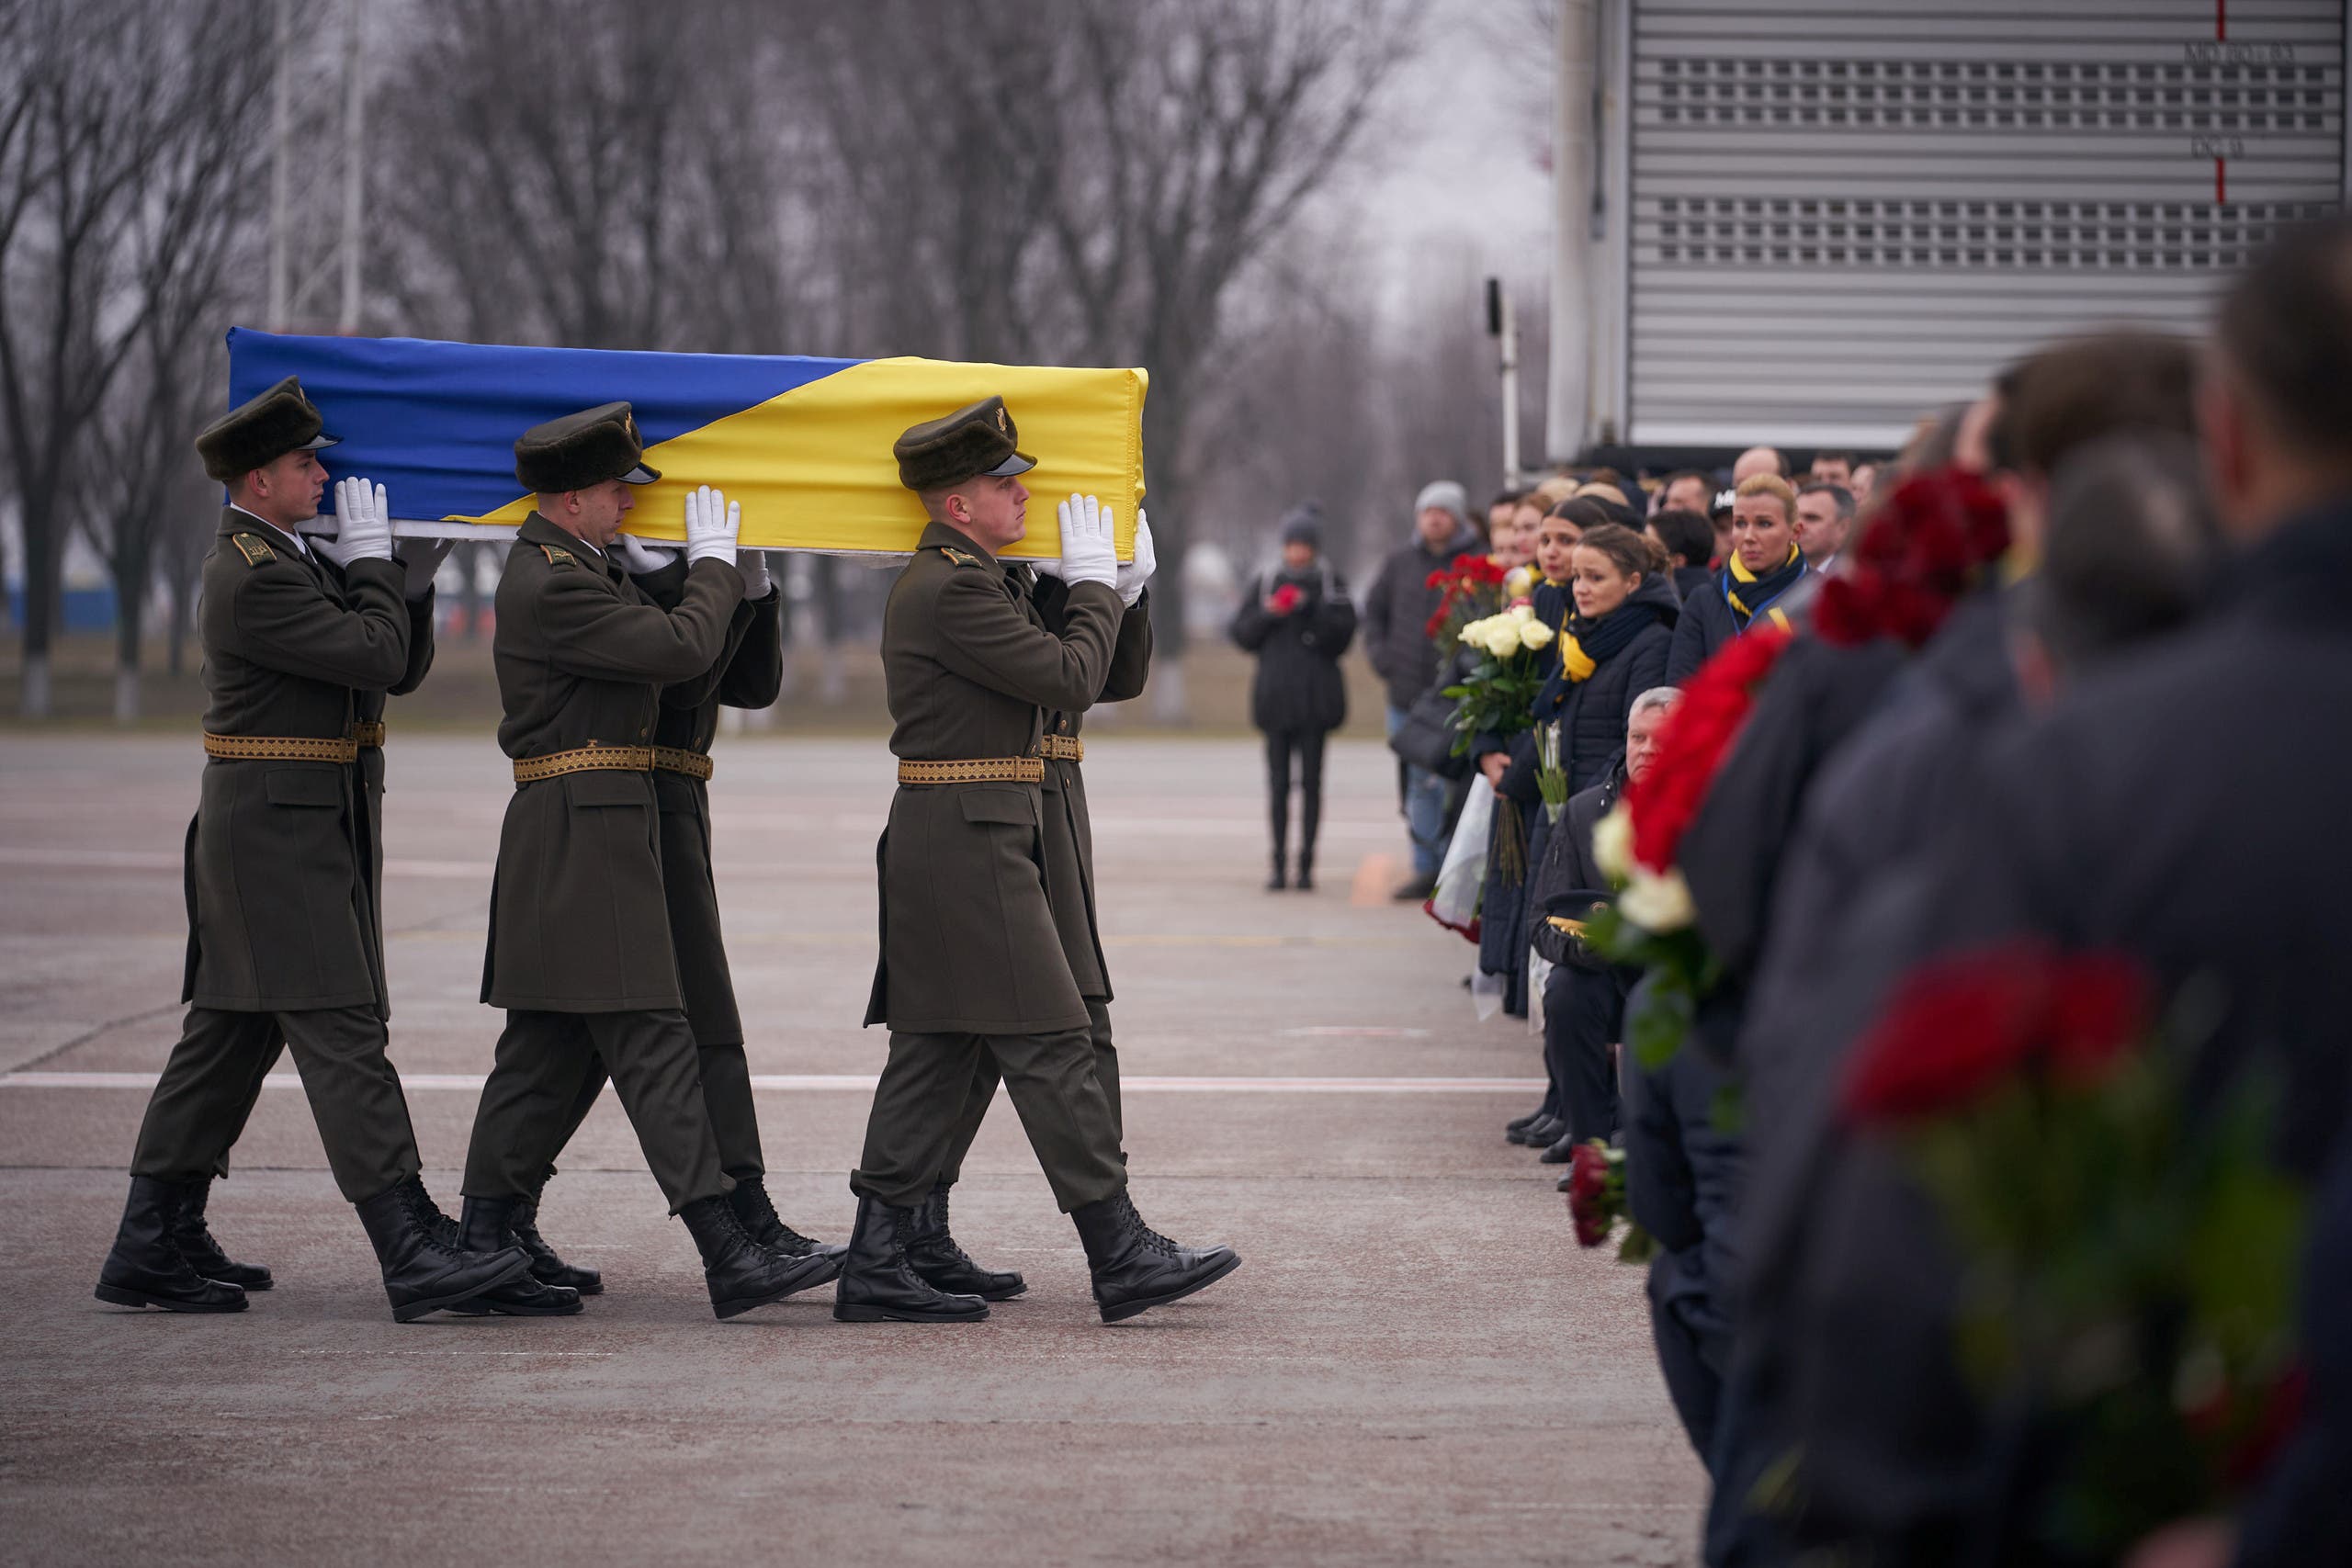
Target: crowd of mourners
[[1925, 874]]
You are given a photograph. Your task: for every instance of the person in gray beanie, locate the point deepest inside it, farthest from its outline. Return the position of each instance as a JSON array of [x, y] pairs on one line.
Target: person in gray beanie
[[1395, 619], [1298, 620]]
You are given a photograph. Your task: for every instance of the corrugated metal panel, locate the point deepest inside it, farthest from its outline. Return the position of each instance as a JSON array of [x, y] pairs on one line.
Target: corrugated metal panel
[[1847, 212]]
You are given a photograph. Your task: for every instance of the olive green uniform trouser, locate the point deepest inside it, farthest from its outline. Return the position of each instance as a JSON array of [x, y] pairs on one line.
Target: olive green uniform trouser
[[215, 1072], [985, 1077], [726, 1099], [536, 1092], [928, 1093]]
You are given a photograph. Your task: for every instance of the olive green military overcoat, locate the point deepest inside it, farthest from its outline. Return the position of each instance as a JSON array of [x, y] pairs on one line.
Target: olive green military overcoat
[[1070, 835], [969, 944], [577, 918], [279, 861], [749, 674]]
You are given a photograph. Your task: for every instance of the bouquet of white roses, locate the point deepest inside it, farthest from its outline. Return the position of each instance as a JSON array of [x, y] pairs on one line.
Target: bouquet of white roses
[[1497, 694]]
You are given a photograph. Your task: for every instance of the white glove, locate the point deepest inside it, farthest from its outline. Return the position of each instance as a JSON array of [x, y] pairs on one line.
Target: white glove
[[754, 565], [713, 524], [1133, 578], [639, 556], [1087, 555], [363, 523], [424, 558]]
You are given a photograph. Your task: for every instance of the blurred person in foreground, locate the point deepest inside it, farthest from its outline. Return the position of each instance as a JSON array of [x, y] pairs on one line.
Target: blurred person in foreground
[[1397, 610], [2118, 819], [1298, 620]]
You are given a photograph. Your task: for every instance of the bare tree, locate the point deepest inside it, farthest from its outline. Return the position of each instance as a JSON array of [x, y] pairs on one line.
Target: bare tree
[[142, 481]]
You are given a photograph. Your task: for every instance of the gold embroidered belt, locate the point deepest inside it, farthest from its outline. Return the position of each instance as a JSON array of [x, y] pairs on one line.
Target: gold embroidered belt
[[678, 760], [591, 758], [979, 770], [368, 734], [281, 748], [1063, 747]]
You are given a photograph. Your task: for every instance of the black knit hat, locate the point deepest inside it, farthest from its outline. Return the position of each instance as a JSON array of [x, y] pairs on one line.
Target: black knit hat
[[583, 449], [978, 438], [261, 430]]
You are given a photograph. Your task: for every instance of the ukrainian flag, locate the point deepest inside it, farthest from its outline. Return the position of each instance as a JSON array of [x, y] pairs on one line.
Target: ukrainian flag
[[804, 443]]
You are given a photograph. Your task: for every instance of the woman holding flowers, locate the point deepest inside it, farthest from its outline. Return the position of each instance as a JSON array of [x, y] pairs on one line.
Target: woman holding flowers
[[1298, 620]]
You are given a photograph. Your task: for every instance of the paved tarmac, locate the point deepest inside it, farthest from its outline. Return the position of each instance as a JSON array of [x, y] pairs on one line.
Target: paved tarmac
[[1415, 1364]]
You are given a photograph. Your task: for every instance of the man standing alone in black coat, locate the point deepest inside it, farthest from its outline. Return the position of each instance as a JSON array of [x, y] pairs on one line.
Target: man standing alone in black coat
[[1298, 620]]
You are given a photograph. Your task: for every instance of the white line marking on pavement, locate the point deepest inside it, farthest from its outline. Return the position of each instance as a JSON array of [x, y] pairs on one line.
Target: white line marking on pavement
[[863, 1083]]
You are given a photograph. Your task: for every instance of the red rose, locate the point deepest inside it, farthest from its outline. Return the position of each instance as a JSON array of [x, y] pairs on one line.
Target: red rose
[[1589, 1202], [1286, 598], [1957, 1028], [1930, 544], [1698, 733]]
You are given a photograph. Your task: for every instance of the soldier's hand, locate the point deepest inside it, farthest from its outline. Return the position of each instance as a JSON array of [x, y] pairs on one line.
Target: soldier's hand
[[422, 558], [754, 565], [713, 524], [641, 557], [1133, 578], [364, 521], [1087, 555]]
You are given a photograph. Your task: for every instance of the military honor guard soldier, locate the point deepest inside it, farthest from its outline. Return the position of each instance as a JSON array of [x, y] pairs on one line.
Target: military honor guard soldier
[[283, 938], [1068, 842], [581, 953], [973, 968], [749, 673]]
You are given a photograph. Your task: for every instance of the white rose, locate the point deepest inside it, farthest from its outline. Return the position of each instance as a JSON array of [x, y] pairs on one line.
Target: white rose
[[1535, 634], [1658, 904], [1502, 639], [1612, 844], [1522, 611]]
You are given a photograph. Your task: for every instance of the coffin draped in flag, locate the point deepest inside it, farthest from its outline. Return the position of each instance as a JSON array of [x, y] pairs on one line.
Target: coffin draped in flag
[[803, 442]]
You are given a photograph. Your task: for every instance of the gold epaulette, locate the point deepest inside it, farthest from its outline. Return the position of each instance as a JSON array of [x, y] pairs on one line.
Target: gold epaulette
[[253, 548], [595, 757], [678, 760], [958, 556], [977, 770], [557, 556], [280, 748]]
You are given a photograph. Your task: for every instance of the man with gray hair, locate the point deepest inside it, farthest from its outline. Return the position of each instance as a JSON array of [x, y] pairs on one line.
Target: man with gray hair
[[1396, 618]]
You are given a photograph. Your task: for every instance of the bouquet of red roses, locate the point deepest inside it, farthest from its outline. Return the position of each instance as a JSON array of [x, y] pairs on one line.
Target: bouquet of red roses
[[1651, 925], [1597, 1201], [2127, 1267], [1473, 587]]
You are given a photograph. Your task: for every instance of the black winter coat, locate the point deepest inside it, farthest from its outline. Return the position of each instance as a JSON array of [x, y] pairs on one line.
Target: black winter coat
[[1592, 722], [2228, 871], [1708, 621], [1298, 686], [1397, 611]]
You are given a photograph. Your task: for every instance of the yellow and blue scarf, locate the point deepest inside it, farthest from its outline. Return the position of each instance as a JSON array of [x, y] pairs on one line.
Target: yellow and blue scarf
[[1751, 596]]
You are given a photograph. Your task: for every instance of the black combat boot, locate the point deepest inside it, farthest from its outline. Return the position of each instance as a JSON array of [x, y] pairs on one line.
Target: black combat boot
[[741, 1273], [488, 1227], [1278, 879], [546, 1266], [753, 1209], [1306, 883], [933, 1254], [146, 1268], [194, 1238], [423, 1272], [1136, 1267], [880, 1285]]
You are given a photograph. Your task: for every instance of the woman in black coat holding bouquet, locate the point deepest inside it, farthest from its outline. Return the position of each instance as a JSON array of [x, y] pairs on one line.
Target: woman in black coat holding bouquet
[[1612, 647], [1298, 620]]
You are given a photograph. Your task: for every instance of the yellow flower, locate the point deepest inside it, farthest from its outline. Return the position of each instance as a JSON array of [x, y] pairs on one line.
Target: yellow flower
[[1658, 904], [1535, 634], [1519, 581], [1612, 844]]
